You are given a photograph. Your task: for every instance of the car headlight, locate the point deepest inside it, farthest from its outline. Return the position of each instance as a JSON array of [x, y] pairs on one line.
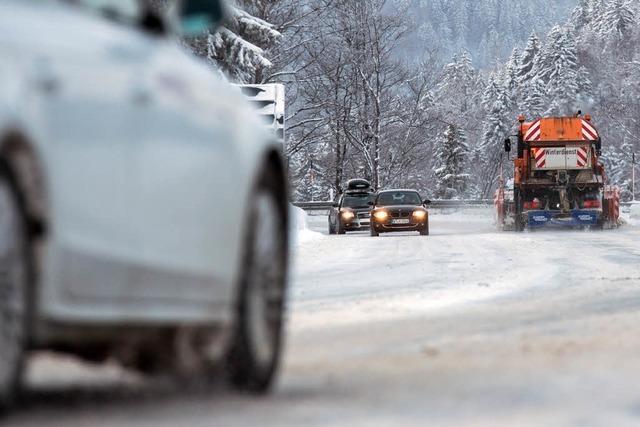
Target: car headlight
[[347, 215], [419, 214], [381, 215]]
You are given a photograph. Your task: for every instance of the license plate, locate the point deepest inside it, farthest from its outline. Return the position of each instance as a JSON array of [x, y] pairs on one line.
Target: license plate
[[400, 221]]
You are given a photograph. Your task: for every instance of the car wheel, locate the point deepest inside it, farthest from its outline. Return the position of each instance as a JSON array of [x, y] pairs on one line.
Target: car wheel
[[14, 277], [341, 229], [425, 230], [257, 334], [374, 232]]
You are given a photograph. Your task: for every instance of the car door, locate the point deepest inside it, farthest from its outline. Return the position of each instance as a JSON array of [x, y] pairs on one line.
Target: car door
[[83, 78], [186, 210]]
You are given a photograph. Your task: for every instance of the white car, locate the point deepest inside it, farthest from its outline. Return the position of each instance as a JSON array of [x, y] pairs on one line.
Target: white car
[[143, 210]]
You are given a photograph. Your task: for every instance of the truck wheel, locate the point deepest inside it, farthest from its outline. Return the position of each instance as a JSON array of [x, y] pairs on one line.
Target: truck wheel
[[374, 232], [254, 354], [14, 278], [341, 229], [425, 230]]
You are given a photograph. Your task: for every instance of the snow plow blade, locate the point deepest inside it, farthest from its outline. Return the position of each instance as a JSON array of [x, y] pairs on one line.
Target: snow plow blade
[[575, 218]]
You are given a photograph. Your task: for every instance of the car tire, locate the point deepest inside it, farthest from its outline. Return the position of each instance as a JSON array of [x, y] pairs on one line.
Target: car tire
[[374, 232], [15, 271], [256, 341], [341, 229], [425, 230]]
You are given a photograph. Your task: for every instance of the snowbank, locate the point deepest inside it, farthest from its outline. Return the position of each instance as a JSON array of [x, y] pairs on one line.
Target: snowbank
[[300, 231], [634, 214]]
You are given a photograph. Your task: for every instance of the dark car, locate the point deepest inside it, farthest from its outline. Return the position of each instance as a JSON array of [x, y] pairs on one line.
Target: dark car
[[399, 210], [351, 211]]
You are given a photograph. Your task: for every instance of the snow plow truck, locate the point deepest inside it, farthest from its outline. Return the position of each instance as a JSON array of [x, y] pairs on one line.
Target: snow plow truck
[[558, 179]]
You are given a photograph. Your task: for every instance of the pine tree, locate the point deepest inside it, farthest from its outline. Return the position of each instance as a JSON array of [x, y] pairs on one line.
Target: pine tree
[[458, 84], [619, 161], [510, 81], [567, 85], [496, 128], [529, 60], [581, 16], [535, 102], [450, 156], [618, 22], [238, 48]]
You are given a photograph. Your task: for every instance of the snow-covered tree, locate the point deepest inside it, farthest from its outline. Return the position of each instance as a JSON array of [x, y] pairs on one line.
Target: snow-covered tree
[[238, 47], [529, 60], [618, 23], [581, 17], [535, 99], [619, 160], [450, 164], [497, 126], [458, 85], [510, 81], [567, 84]]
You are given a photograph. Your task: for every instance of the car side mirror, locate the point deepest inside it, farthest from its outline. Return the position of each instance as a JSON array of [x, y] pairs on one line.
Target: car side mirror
[[426, 202], [507, 145], [198, 17]]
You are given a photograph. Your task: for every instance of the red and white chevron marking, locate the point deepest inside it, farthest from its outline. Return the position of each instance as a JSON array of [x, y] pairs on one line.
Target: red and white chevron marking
[[540, 155], [589, 133], [582, 154], [534, 132]]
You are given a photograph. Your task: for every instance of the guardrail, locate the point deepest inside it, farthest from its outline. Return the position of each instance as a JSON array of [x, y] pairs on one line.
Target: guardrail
[[435, 204]]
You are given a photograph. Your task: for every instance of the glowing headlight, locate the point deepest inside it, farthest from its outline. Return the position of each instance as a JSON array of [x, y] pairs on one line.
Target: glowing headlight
[[381, 215], [419, 214], [347, 215]]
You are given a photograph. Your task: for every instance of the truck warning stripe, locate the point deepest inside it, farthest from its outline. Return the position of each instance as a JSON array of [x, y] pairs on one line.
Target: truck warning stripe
[[581, 156], [589, 132], [540, 155], [533, 134]]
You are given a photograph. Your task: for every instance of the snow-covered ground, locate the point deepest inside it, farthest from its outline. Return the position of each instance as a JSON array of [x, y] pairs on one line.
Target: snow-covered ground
[[466, 327]]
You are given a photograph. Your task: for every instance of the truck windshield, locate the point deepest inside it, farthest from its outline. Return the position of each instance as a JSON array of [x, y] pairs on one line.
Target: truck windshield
[[399, 198], [357, 200]]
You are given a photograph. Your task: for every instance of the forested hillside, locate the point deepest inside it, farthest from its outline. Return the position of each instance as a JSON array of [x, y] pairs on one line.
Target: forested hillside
[[487, 29], [361, 105]]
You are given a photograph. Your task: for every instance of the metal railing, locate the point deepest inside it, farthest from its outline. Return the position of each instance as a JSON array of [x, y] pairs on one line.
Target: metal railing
[[435, 204]]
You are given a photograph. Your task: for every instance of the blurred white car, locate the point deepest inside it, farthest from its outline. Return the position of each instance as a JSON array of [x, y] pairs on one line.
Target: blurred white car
[[143, 211]]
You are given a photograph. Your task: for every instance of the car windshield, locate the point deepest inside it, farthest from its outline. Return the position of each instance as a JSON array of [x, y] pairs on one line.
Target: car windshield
[[399, 198], [357, 200]]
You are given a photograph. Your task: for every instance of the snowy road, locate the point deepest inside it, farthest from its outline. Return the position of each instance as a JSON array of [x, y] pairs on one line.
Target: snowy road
[[466, 327]]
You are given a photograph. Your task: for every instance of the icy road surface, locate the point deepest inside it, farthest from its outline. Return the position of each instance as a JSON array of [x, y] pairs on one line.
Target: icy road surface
[[466, 327]]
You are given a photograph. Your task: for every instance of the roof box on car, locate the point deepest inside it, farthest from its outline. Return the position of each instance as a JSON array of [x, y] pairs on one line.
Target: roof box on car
[[358, 184]]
